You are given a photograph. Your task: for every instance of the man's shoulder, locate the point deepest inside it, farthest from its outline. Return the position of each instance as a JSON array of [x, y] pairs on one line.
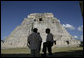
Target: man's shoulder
[[51, 34], [34, 34]]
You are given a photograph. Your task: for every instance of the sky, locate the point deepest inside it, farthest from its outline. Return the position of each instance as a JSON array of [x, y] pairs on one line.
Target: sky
[[67, 12]]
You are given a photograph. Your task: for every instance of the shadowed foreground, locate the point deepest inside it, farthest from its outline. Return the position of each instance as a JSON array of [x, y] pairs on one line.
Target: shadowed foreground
[[57, 52]]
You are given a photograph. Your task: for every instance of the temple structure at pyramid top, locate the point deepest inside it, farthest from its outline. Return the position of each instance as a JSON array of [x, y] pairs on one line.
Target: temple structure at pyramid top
[[40, 15]]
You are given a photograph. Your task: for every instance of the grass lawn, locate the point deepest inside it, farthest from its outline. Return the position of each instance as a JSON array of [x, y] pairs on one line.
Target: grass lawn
[[67, 49], [16, 51], [59, 52]]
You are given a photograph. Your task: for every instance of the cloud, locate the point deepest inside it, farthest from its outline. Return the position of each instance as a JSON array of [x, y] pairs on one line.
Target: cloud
[[75, 36], [80, 28], [68, 26]]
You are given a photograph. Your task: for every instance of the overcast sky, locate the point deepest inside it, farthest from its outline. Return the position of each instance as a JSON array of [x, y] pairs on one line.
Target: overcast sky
[[68, 13]]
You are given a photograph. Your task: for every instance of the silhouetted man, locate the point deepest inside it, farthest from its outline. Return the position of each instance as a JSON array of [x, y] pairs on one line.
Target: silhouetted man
[[49, 42], [34, 41]]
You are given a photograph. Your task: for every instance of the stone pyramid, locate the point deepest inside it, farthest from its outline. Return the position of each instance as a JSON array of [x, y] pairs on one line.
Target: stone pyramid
[[18, 38]]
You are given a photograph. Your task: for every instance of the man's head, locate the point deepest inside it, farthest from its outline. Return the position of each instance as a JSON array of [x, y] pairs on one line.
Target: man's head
[[35, 30], [47, 30]]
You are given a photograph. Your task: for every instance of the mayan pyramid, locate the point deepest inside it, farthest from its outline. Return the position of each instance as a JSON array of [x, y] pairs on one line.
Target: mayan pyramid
[[41, 21]]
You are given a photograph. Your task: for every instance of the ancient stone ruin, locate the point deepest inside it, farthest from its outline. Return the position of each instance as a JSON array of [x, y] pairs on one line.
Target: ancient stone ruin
[[18, 38]]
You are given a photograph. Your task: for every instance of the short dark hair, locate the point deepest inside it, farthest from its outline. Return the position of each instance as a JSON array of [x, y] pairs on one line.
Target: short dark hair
[[47, 30], [35, 30]]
